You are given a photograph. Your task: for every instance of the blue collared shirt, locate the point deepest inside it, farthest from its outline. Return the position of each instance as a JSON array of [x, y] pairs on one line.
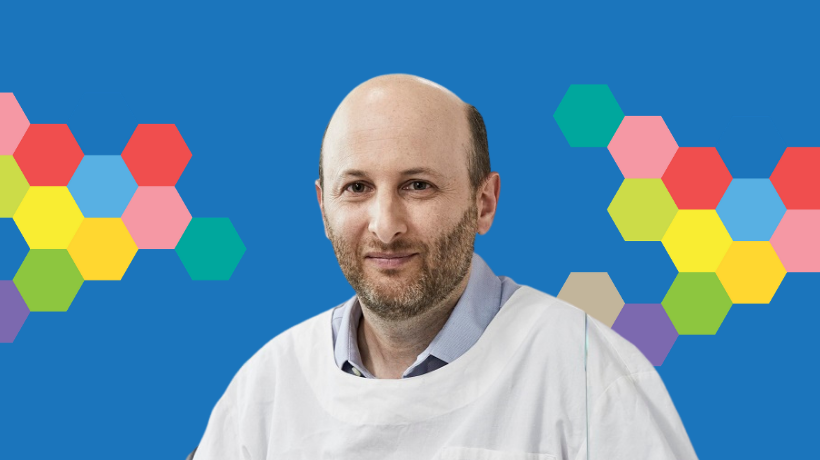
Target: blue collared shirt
[[482, 298]]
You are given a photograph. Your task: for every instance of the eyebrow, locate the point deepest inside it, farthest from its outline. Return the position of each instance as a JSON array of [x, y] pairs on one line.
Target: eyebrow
[[406, 172]]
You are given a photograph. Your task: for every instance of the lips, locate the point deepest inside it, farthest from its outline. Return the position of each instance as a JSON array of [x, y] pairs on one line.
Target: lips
[[389, 261], [386, 255]]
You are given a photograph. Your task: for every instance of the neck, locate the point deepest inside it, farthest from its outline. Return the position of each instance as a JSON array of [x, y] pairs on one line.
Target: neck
[[388, 348]]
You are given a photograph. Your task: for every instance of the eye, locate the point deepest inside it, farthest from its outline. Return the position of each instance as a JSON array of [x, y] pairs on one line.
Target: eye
[[356, 187], [419, 185]]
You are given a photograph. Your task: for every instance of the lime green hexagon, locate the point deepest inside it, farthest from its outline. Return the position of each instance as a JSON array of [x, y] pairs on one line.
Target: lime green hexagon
[[210, 248], [13, 186], [588, 115], [642, 209], [696, 240], [48, 280], [697, 303], [48, 217], [751, 272]]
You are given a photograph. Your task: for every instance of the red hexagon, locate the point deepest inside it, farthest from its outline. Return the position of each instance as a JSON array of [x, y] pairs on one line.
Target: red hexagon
[[795, 178], [697, 178], [48, 155], [156, 155]]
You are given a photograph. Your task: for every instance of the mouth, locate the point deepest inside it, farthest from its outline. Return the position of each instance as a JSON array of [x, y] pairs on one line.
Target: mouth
[[385, 260]]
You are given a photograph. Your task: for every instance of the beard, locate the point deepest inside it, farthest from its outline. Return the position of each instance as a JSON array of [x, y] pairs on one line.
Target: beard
[[444, 264]]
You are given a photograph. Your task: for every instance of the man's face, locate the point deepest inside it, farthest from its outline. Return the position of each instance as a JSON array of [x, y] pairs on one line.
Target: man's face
[[397, 204]]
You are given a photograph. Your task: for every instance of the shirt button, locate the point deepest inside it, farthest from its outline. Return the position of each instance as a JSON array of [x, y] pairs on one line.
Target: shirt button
[[357, 372]]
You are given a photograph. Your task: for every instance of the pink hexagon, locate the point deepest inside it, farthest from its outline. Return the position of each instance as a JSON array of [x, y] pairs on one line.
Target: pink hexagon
[[156, 217], [13, 122], [642, 147], [796, 240]]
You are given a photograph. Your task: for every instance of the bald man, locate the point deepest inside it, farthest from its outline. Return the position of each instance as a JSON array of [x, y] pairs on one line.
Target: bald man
[[435, 357]]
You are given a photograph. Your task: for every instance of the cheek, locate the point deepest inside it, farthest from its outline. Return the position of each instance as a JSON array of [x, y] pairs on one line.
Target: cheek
[[347, 224]]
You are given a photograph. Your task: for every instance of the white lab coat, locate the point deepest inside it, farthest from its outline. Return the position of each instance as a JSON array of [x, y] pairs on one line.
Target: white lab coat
[[521, 392]]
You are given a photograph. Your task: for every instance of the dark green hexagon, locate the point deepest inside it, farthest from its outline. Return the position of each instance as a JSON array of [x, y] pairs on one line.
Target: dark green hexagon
[[210, 248], [588, 115], [697, 303], [48, 280]]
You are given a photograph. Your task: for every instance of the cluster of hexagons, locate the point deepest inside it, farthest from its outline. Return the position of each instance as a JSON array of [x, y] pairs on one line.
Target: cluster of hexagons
[[732, 240], [66, 218]]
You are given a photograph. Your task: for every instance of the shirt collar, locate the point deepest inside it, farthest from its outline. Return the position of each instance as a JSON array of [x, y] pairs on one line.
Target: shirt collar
[[474, 310]]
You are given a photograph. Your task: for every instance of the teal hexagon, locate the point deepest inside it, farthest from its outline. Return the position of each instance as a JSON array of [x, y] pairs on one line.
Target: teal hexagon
[[210, 248], [588, 115], [48, 280]]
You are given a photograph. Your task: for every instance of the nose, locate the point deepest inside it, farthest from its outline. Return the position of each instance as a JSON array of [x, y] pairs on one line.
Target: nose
[[387, 217]]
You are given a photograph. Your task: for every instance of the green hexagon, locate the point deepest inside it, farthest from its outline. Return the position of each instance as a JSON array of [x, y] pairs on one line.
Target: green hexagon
[[588, 115], [48, 280], [13, 186], [697, 303], [210, 248], [642, 209]]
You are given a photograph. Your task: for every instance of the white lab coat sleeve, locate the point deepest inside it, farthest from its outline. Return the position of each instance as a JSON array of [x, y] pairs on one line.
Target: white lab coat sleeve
[[221, 440], [634, 418]]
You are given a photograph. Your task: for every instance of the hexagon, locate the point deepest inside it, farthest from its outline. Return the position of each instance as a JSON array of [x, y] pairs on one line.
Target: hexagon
[[13, 185], [696, 178], [594, 293], [13, 311], [751, 272], [13, 248], [649, 328], [156, 155], [210, 249], [796, 240], [750, 209], [588, 115], [795, 178], [102, 186], [697, 303], [48, 155], [48, 217], [14, 123], [643, 147], [156, 217], [48, 280], [642, 209], [102, 249], [696, 240]]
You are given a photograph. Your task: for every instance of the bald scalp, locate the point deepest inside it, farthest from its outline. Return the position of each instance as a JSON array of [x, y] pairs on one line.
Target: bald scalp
[[396, 100]]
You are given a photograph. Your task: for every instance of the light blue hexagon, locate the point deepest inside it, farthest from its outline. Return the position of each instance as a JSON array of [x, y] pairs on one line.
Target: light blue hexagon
[[751, 209], [102, 186]]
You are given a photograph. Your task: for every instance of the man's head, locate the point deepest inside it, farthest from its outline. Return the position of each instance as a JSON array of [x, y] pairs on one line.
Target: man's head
[[404, 171]]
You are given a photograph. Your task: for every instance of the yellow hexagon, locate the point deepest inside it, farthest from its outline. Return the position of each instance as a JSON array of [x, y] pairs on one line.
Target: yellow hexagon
[[48, 217], [696, 240], [751, 272], [102, 249]]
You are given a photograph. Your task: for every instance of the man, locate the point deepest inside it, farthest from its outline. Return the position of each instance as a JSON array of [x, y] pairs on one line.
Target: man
[[435, 357]]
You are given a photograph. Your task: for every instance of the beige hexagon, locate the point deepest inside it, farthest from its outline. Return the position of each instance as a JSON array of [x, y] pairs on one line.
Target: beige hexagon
[[595, 293]]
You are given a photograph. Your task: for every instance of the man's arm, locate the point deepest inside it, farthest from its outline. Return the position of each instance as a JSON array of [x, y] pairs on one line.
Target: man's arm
[[221, 439], [634, 419]]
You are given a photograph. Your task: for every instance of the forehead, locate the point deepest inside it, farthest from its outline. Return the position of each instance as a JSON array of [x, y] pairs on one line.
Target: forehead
[[390, 138]]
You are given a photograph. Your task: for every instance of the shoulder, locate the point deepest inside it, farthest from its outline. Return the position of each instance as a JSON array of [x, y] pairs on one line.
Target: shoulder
[[609, 355], [277, 357]]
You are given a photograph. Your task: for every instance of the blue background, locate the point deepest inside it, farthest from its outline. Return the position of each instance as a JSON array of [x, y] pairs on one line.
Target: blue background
[[134, 368]]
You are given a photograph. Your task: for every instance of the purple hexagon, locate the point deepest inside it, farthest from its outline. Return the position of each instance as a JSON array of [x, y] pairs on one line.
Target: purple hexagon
[[649, 328], [13, 311]]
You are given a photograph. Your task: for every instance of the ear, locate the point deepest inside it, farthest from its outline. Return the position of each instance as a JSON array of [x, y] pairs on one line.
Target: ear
[[487, 202], [321, 206]]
